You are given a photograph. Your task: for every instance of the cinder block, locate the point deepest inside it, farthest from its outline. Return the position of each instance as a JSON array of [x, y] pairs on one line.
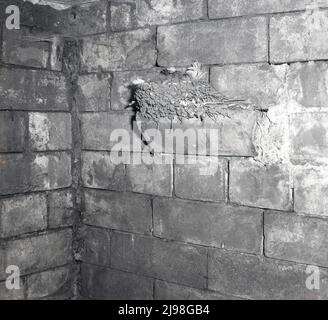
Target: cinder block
[[51, 171], [93, 92], [35, 90], [307, 84], [40, 252], [182, 44], [22, 214], [171, 261], [255, 277], [50, 131], [225, 9], [107, 131], [201, 178], [100, 171], [296, 238], [83, 18], [134, 14], [108, 284], [170, 291], [96, 245], [131, 50], [14, 173], [86, 18], [228, 135], [256, 185], [299, 37], [311, 190], [61, 209], [262, 84], [269, 85], [48, 283], [215, 225], [118, 211], [12, 131], [309, 136], [21, 47], [152, 176], [39, 172]]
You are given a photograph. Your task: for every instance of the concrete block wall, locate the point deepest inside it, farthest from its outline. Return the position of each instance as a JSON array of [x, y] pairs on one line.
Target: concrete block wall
[[163, 231], [251, 230], [37, 192]]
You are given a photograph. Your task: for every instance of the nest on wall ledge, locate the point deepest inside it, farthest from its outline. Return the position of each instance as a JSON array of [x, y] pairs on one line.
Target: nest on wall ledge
[[184, 96]]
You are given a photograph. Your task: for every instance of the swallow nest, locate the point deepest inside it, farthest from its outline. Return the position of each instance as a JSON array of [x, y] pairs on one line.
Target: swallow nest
[[183, 99]]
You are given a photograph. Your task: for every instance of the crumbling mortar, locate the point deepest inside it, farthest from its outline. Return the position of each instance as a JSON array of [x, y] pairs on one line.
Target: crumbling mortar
[[269, 37], [227, 180], [263, 234], [34, 234], [71, 69], [11, 195]]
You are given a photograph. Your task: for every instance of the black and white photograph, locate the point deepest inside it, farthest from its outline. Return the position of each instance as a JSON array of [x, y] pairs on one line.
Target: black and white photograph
[[171, 152]]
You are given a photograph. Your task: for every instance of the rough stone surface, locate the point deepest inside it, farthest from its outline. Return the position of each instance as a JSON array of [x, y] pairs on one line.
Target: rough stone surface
[[261, 83], [181, 44], [35, 90], [125, 212], [119, 51], [93, 92], [216, 225], [254, 184], [171, 291], [230, 135], [296, 238], [256, 277], [153, 176], [224, 9], [87, 18], [160, 259], [50, 131], [47, 283], [41, 172], [96, 246], [61, 211], [299, 37], [311, 190], [168, 248], [102, 283], [6, 294], [30, 211], [201, 178], [19, 49], [140, 13], [12, 131], [50, 171], [14, 176], [71, 18], [100, 171], [269, 85], [309, 136], [40, 252], [307, 84], [103, 131]]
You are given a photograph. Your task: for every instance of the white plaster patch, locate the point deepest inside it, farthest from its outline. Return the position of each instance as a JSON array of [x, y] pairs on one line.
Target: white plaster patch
[[39, 130], [53, 4]]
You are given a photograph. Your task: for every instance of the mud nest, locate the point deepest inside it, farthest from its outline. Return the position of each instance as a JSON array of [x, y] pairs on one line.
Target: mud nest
[[183, 99]]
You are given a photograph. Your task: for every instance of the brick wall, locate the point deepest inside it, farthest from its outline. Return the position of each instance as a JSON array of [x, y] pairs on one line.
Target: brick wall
[[163, 231]]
